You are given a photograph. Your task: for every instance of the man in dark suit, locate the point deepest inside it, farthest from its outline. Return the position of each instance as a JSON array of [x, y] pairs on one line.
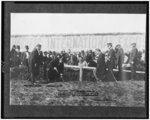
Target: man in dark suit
[[89, 59], [64, 54], [110, 62], [73, 59], [45, 64], [119, 60], [34, 63], [13, 56], [133, 60], [25, 57], [41, 58], [111, 55], [56, 69], [50, 57], [100, 71], [18, 56], [68, 56]]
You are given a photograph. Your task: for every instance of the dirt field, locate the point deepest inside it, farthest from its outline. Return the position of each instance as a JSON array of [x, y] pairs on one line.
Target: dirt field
[[121, 93]]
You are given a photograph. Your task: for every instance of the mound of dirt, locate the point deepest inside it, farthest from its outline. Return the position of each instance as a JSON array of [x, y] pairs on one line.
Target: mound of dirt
[[71, 93]]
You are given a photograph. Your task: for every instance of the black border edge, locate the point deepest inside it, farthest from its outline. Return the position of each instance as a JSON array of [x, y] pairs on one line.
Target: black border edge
[[2, 58], [3, 46], [147, 63]]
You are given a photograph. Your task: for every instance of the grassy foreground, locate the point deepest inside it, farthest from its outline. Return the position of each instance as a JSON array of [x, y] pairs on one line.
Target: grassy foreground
[[121, 93]]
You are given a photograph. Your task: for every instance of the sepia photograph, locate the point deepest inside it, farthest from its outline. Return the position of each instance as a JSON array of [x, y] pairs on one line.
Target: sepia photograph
[[77, 59]]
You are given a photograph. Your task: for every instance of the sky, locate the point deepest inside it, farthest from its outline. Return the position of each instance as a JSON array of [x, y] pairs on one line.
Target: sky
[[58, 23]]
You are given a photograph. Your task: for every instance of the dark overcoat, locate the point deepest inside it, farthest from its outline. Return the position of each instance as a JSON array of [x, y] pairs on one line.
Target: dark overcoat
[[73, 60], [101, 67], [111, 62], [120, 56], [52, 73], [133, 55], [17, 58], [13, 57], [90, 61], [34, 62]]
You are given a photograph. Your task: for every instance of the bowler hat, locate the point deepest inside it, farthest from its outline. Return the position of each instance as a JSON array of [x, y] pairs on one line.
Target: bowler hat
[[45, 52], [110, 44], [18, 47], [27, 47], [134, 44], [14, 46], [38, 45]]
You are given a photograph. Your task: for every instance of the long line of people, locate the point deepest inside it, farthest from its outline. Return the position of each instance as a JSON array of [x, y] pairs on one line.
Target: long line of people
[[53, 62]]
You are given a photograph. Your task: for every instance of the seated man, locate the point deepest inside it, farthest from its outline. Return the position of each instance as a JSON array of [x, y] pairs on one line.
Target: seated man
[[100, 71], [56, 69]]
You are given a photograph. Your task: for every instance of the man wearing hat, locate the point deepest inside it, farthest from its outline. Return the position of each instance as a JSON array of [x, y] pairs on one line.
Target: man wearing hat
[[119, 60], [68, 56], [90, 59], [111, 55], [25, 57], [13, 55], [50, 56], [73, 59], [133, 60], [100, 71], [34, 63], [64, 55], [18, 56], [56, 69], [41, 57], [110, 62], [45, 64]]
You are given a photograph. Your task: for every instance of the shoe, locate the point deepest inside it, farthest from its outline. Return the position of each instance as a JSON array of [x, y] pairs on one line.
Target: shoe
[[32, 83], [100, 80], [63, 80]]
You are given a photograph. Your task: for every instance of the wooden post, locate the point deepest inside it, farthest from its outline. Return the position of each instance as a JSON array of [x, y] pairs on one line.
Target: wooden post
[[80, 75], [80, 72]]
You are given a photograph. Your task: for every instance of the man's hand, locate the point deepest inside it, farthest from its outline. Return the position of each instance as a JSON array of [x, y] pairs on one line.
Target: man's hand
[[132, 62], [107, 59], [116, 66], [61, 75], [47, 69], [55, 69]]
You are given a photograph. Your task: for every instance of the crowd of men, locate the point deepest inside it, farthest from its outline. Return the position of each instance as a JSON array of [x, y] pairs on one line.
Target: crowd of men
[[53, 62]]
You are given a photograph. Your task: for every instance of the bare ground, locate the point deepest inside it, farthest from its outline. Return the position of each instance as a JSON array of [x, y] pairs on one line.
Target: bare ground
[[121, 93]]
